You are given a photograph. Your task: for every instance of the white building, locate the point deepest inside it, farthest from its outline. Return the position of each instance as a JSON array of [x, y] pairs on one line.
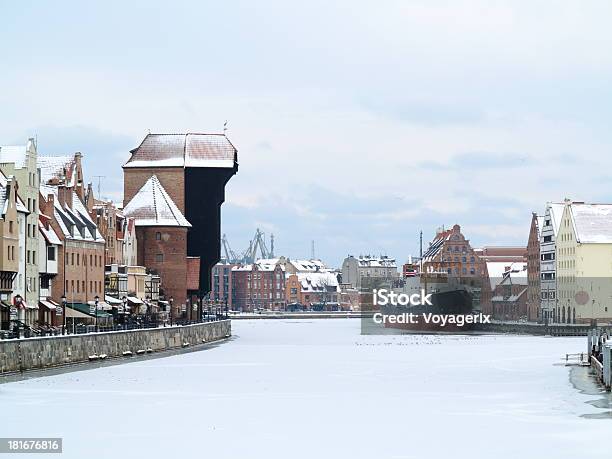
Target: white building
[[548, 263], [366, 270], [21, 161]]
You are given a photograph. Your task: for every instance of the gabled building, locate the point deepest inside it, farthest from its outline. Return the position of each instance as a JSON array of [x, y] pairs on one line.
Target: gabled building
[[313, 290], [81, 254], [161, 232], [366, 271], [21, 162], [584, 270], [49, 244], [9, 251], [193, 169], [548, 264], [509, 301], [260, 285], [533, 268]]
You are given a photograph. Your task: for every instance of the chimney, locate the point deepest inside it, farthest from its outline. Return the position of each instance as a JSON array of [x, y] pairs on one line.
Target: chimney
[[49, 205], [64, 195]]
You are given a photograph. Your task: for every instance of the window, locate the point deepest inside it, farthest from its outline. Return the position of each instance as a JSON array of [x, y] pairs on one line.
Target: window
[[83, 286], [28, 256], [547, 238], [72, 258], [90, 260], [158, 236], [11, 226], [44, 282], [159, 258], [78, 259]]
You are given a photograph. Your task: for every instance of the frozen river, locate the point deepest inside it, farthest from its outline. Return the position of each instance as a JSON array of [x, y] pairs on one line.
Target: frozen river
[[318, 389]]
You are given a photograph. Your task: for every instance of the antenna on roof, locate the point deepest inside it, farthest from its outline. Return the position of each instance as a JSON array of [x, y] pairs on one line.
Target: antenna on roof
[[99, 177], [312, 250], [224, 127]]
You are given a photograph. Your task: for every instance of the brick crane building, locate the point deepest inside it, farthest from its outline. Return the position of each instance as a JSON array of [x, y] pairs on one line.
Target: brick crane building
[[161, 232], [193, 169]]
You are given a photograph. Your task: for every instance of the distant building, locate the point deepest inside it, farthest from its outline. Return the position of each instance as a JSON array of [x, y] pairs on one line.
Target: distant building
[[548, 263], [497, 261], [533, 268], [221, 283], [313, 290], [260, 285], [366, 272], [509, 301], [584, 270], [451, 253]]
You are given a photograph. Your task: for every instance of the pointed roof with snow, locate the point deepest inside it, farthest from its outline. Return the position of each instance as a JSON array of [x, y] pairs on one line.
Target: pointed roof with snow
[[152, 206]]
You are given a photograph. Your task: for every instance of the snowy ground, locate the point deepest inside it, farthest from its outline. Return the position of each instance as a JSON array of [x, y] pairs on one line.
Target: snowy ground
[[317, 389]]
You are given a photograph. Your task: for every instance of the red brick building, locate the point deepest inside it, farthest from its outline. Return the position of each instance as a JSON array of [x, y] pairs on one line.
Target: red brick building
[[193, 169], [161, 232], [533, 269], [258, 286], [509, 301], [80, 276]]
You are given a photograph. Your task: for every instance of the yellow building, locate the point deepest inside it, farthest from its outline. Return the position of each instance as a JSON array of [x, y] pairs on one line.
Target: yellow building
[[584, 263]]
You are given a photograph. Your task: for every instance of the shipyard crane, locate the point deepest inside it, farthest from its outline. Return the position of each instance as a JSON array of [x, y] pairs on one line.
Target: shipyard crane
[[256, 245]]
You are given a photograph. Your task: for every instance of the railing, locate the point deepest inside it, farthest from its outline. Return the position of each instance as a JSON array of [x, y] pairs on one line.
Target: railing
[[597, 366]]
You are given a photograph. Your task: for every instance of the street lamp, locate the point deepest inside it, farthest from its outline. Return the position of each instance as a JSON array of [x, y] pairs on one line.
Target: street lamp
[[171, 312], [96, 300], [188, 308], [63, 298], [18, 299], [124, 301]]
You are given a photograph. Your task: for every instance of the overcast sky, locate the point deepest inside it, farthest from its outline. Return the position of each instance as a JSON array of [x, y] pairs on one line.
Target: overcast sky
[[357, 123]]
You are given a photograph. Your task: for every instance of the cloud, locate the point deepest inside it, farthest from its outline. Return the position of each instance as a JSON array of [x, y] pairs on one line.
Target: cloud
[[480, 160]]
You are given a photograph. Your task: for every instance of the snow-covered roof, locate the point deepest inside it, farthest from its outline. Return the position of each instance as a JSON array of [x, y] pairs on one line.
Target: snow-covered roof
[[555, 210], [74, 221], [499, 269], [308, 265], [318, 282], [3, 203], [152, 206], [49, 234], [184, 150], [54, 166], [369, 261], [511, 298], [592, 222], [14, 154]]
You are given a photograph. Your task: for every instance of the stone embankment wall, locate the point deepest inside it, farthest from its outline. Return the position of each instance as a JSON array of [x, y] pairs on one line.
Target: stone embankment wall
[[37, 353]]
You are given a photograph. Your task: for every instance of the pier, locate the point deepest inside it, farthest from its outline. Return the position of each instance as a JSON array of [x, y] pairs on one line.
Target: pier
[[600, 355]]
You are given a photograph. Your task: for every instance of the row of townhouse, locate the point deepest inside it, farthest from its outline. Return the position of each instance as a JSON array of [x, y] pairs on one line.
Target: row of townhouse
[[63, 246], [276, 284], [575, 262], [55, 248]]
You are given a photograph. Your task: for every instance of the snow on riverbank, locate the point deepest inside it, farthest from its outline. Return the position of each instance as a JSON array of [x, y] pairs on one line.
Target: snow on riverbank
[[309, 389]]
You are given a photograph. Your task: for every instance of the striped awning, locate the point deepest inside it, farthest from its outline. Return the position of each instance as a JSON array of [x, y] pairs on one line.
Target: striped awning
[[48, 304]]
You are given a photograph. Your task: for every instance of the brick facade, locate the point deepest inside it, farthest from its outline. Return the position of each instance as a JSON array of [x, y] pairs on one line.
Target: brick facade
[[533, 270], [171, 178], [163, 249]]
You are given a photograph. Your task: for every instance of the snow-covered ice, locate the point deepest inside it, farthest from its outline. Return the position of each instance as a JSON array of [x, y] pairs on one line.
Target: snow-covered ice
[[318, 389]]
